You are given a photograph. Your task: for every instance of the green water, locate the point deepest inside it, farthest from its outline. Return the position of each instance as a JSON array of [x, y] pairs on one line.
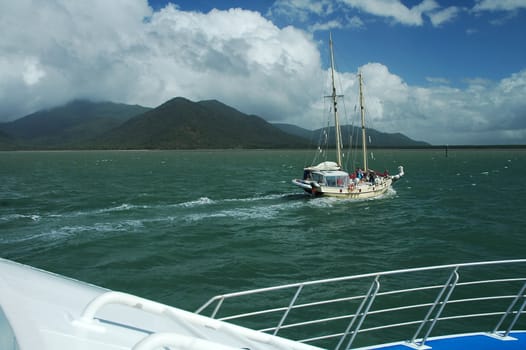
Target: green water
[[182, 226]]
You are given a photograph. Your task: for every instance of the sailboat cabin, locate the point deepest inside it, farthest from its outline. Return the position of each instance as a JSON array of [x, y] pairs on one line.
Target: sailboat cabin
[[331, 178]]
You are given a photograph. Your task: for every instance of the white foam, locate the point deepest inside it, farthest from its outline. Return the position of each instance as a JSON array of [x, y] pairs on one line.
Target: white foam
[[13, 217], [199, 202], [256, 198], [245, 213]]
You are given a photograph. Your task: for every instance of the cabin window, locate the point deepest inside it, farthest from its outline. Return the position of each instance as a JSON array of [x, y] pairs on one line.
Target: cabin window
[[319, 178], [337, 181]]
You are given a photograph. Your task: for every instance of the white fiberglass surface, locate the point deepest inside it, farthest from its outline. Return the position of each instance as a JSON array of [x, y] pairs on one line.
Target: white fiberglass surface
[[7, 337]]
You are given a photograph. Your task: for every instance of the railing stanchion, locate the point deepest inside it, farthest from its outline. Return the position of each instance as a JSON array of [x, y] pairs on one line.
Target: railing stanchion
[[218, 306], [369, 298], [509, 311], [288, 309], [450, 284]]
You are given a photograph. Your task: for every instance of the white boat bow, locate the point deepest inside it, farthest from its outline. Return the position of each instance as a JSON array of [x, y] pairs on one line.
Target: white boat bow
[[42, 310]]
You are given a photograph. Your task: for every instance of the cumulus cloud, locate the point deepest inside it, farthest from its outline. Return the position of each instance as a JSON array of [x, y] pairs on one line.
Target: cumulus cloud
[[499, 5], [484, 112], [65, 50], [446, 15], [392, 10], [395, 10], [123, 51], [301, 9]]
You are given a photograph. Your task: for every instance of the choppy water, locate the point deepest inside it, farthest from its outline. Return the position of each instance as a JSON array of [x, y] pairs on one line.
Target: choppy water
[[181, 226]]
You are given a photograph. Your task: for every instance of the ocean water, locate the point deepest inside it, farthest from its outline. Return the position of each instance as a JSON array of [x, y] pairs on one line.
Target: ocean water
[[182, 226]]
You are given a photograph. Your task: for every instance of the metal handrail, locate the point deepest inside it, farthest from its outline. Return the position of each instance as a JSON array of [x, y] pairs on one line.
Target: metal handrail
[[448, 288], [509, 311], [447, 291]]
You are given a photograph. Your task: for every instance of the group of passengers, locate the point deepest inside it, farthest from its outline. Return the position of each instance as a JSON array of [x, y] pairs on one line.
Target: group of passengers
[[368, 176]]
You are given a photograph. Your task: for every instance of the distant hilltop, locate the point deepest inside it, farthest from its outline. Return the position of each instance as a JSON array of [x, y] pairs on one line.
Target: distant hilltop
[[176, 124]]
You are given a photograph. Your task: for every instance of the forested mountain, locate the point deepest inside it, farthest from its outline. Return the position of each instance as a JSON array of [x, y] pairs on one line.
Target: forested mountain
[[353, 134], [183, 124], [176, 124], [69, 126]]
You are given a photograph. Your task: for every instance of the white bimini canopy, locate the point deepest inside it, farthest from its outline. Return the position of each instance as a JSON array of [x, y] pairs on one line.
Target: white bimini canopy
[[324, 166]]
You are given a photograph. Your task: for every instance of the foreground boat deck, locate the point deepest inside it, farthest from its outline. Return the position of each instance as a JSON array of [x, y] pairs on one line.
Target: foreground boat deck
[[42, 310], [460, 306], [479, 341]]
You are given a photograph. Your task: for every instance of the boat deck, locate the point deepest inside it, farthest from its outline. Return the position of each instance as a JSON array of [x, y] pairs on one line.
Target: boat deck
[[478, 341]]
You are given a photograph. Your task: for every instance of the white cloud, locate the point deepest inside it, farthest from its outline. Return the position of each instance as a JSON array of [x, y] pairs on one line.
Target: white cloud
[[499, 5], [354, 22], [484, 112], [122, 51], [395, 10], [32, 71], [64, 50], [439, 17], [301, 9]]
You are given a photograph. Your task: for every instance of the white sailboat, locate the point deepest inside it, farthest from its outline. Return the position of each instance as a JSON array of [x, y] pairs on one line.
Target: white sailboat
[[328, 178]]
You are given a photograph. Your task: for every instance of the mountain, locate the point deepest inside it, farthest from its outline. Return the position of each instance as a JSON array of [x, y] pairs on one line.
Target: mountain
[[294, 130], [68, 126], [377, 138], [177, 124], [6, 142], [182, 124]]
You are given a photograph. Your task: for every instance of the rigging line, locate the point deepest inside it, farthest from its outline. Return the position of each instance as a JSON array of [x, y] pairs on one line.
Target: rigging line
[[347, 126]]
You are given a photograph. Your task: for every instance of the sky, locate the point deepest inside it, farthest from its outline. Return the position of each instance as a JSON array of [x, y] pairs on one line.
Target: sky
[[440, 71]]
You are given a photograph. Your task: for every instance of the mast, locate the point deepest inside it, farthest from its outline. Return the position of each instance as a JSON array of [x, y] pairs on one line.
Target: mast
[[362, 114], [337, 130]]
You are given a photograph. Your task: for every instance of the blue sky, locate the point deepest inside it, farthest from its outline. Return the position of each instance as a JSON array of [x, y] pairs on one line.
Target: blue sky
[[442, 71]]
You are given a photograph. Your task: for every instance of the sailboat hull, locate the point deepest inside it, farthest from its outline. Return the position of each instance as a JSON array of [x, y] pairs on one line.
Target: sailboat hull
[[360, 190]]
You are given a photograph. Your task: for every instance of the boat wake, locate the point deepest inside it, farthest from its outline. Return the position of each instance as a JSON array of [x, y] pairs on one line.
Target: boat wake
[[130, 219]]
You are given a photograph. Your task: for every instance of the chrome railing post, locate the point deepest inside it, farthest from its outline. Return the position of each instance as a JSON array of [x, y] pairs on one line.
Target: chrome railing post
[[450, 284], [218, 306], [509, 311], [369, 298], [292, 302]]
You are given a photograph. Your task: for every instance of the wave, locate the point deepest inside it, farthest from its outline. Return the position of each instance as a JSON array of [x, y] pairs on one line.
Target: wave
[[70, 231], [122, 207], [246, 213], [257, 198], [15, 217], [204, 201], [195, 203]]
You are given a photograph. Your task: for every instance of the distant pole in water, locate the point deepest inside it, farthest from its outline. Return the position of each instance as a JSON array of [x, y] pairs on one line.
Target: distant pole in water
[[447, 147]]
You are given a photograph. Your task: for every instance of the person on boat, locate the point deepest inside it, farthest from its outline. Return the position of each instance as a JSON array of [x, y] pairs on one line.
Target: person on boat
[[371, 177], [359, 173]]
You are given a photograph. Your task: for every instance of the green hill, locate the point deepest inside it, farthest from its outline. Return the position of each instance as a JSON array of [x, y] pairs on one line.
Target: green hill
[[183, 124], [354, 134], [176, 124], [68, 126]]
